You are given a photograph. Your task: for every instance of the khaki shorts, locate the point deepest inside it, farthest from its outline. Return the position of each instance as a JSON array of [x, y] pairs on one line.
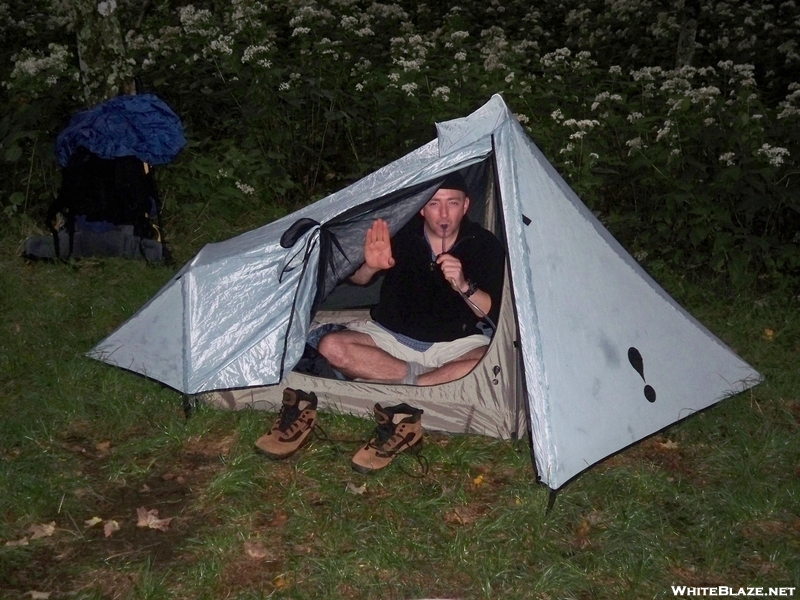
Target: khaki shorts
[[438, 354]]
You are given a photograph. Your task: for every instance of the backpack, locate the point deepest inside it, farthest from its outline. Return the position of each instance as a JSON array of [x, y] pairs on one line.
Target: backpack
[[109, 207]]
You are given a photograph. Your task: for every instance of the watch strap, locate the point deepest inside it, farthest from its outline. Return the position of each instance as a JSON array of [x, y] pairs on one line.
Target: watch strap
[[471, 289]]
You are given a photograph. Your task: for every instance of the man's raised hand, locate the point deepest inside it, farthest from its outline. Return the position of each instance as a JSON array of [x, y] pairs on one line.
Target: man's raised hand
[[378, 246]]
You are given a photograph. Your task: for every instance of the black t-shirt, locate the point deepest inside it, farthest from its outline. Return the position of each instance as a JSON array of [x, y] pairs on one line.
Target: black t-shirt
[[417, 301]]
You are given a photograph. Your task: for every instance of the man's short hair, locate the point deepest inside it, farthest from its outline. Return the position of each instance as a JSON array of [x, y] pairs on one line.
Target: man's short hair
[[454, 181]]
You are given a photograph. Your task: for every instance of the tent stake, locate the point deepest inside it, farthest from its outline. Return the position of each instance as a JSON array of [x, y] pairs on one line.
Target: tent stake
[[187, 406], [551, 501]]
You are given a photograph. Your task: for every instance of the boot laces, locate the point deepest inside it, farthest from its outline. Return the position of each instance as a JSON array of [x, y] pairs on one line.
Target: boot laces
[[288, 416], [382, 433]]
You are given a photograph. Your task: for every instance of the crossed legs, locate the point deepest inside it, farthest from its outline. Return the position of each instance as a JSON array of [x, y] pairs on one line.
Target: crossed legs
[[357, 355]]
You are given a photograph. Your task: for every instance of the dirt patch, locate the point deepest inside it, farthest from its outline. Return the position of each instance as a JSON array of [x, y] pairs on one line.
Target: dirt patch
[[108, 530]]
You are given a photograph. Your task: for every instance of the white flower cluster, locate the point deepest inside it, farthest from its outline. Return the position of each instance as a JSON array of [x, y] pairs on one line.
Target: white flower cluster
[[522, 118], [409, 88], [634, 116], [386, 11], [558, 57], [744, 74], [662, 133], [789, 104], [646, 73], [789, 48], [107, 8], [727, 158], [246, 13], [635, 144], [247, 190], [583, 126], [604, 97], [222, 45], [348, 23], [773, 154], [494, 48], [195, 21], [442, 91], [308, 13], [409, 53], [30, 64], [252, 54]]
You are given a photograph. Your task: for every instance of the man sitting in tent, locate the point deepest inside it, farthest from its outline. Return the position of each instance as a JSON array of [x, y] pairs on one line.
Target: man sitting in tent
[[443, 276]]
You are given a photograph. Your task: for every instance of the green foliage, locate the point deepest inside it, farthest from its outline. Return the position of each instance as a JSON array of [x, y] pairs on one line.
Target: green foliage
[[286, 102]]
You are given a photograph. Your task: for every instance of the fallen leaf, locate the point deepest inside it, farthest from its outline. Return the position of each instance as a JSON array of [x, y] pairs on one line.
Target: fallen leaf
[[517, 501], [769, 334], [168, 476], [280, 582], [22, 542], [669, 445], [581, 538], [17, 327], [279, 520], [102, 446], [39, 595], [149, 518], [145, 488], [110, 527], [255, 550], [356, 490], [460, 516], [93, 521], [478, 481], [42, 530]]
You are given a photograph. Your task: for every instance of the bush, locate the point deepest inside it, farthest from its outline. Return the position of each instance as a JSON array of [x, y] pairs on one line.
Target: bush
[[284, 103]]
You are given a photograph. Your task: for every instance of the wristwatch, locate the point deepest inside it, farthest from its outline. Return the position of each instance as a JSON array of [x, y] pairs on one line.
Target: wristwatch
[[471, 290]]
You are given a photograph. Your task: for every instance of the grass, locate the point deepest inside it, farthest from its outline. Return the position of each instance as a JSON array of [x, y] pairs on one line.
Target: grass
[[713, 500]]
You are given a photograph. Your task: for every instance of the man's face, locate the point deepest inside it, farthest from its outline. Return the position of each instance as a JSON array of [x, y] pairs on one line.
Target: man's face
[[444, 211]]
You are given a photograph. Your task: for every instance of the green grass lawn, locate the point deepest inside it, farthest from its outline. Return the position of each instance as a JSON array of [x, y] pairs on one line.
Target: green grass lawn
[[713, 500]]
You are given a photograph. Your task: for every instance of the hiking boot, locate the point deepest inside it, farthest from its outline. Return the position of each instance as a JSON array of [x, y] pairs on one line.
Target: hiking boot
[[399, 429], [293, 428]]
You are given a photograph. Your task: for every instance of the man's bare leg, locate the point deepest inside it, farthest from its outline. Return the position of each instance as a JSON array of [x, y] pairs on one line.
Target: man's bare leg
[[356, 355], [454, 369]]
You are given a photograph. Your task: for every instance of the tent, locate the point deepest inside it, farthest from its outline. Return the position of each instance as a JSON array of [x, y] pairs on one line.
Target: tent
[[590, 354]]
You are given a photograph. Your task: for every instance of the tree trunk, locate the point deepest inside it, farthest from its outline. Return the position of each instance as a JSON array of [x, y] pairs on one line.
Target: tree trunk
[[105, 71], [686, 40]]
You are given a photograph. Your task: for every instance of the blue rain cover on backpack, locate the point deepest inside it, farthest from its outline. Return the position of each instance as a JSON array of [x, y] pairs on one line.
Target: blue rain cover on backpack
[[142, 126]]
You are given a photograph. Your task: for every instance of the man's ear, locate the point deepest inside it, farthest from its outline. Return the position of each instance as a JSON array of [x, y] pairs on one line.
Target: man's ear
[[466, 204]]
